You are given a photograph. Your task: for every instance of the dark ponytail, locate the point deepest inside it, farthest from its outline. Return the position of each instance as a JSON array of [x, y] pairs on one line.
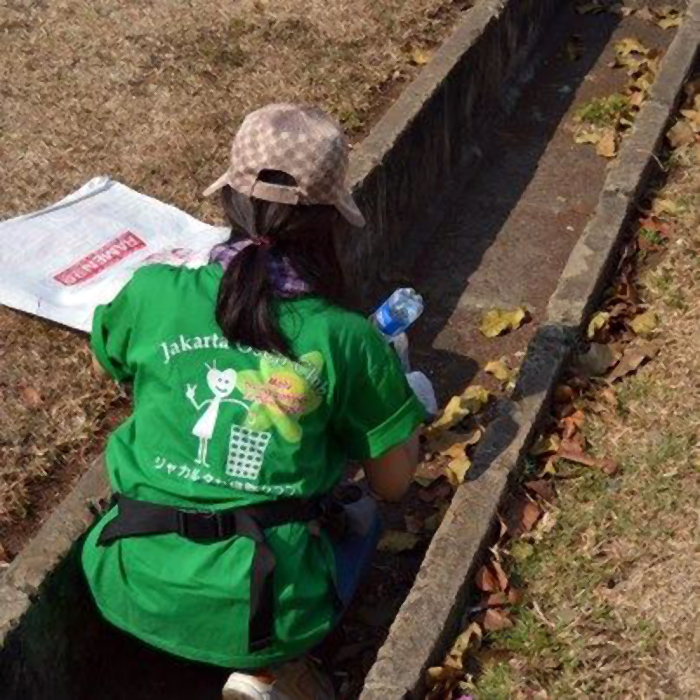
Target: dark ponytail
[[246, 308]]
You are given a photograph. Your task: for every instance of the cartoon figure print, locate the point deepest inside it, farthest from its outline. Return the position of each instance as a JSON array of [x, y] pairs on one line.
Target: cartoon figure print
[[222, 384]]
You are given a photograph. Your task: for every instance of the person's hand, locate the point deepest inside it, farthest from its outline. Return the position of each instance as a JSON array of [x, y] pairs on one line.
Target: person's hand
[[423, 389]]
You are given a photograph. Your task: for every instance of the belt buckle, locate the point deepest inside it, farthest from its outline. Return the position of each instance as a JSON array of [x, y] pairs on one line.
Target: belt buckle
[[199, 526]]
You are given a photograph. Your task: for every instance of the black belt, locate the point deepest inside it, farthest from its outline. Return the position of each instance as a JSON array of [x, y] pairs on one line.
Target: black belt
[[137, 518]]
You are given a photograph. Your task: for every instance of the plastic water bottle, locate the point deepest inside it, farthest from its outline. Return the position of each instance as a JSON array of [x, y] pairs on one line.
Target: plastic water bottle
[[394, 316], [398, 312]]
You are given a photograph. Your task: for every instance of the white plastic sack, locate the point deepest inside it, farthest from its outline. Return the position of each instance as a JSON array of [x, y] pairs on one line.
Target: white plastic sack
[[63, 261]]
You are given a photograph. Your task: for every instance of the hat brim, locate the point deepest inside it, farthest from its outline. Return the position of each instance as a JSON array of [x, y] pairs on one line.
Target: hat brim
[[216, 186], [350, 211]]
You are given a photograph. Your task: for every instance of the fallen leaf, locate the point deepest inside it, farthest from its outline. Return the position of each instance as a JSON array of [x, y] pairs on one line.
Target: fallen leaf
[[495, 600], [630, 361], [419, 57], [607, 146], [464, 641], [414, 524], [496, 620], [486, 580], [433, 522], [598, 321], [459, 407], [666, 206], [572, 423], [499, 369], [596, 361], [644, 13], [627, 46], [396, 541], [437, 490], [514, 596], [587, 136], [544, 488], [497, 321], [669, 22], [545, 525], [645, 323], [547, 444], [564, 394], [457, 469], [447, 439], [31, 397], [667, 17], [500, 575], [607, 465], [680, 134], [522, 516]]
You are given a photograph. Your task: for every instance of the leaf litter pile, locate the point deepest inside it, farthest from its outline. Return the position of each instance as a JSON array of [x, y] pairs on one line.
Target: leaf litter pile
[[151, 93], [590, 588]]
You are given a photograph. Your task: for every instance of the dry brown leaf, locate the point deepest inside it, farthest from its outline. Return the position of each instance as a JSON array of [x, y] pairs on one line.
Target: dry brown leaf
[[607, 465], [514, 596], [457, 469], [607, 146], [396, 541], [496, 619], [680, 134], [572, 423], [598, 321], [633, 358], [495, 600], [420, 57], [522, 516], [544, 488], [31, 397], [587, 136], [530, 514], [486, 580], [445, 440], [500, 575], [630, 46], [645, 323], [470, 402], [498, 321], [437, 490], [548, 444], [564, 394], [500, 370]]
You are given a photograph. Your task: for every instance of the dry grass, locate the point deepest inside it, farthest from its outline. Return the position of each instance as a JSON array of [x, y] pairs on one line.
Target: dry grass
[[617, 582], [151, 93]]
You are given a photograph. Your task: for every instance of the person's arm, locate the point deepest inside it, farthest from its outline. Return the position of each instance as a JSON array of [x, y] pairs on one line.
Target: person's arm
[[377, 414], [390, 475]]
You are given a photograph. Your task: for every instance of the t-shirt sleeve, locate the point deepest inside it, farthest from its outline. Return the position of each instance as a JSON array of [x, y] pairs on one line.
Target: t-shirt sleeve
[[112, 334], [376, 409]]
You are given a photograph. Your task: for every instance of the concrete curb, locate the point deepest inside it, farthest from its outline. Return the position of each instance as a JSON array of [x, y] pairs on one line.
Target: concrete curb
[[431, 614], [433, 130]]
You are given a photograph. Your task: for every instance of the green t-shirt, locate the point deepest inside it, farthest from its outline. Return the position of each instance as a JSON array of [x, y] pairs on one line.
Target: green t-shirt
[[218, 425]]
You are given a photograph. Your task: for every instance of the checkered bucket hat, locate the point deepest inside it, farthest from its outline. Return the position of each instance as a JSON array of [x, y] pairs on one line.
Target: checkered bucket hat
[[301, 141]]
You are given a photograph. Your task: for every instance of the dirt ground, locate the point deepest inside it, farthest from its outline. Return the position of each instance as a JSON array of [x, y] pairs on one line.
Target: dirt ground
[[151, 93], [611, 575]]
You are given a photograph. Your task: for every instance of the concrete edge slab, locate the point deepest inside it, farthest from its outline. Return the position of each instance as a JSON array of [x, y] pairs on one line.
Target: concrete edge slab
[[431, 614]]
